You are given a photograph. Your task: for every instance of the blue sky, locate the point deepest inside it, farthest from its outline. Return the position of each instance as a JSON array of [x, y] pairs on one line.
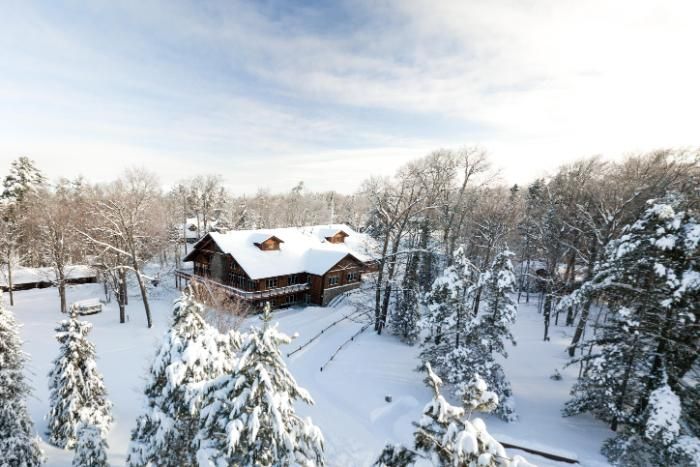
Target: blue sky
[[268, 93]]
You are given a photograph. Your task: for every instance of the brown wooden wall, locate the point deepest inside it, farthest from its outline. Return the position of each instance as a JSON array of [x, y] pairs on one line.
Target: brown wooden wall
[[342, 269], [283, 281], [316, 291]]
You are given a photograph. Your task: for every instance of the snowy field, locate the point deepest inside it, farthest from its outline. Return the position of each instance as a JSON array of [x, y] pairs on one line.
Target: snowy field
[[350, 393]]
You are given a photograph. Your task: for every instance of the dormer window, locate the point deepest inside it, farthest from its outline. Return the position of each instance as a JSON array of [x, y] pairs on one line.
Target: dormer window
[[338, 237], [270, 244]]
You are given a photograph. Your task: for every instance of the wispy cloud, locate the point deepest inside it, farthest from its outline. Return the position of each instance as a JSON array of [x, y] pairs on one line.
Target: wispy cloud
[[331, 93]]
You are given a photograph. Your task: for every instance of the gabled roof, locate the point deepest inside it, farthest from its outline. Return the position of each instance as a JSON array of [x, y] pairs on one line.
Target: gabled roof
[[262, 237], [304, 249], [326, 232]]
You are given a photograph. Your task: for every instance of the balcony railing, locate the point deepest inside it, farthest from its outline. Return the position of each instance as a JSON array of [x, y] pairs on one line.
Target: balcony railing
[[239, 293]]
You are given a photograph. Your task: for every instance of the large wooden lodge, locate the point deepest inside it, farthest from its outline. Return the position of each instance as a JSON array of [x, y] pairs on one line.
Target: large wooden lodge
[[284, 266]]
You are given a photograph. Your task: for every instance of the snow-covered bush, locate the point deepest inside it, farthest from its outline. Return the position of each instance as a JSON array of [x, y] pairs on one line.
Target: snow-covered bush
[[19, 447], [76, 387], [91, 447], [661, 441], [446, 434], [192, 353], [248, 415]]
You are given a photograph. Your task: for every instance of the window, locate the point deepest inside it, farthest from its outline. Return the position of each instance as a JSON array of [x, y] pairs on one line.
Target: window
[[271, 283], [333, 280], [292, 279], [201, 269], [289, 299], [353, 276]]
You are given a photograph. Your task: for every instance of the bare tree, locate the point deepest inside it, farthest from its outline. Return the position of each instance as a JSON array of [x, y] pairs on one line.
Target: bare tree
[[131, 224], [394, 205], [205, 199], [468, 163], [57, 211]]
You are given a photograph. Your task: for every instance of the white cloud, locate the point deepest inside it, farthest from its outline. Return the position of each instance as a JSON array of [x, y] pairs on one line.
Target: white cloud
[[536, 82]]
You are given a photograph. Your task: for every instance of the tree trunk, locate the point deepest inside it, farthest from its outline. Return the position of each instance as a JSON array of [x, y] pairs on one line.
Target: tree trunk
[[546, 312], [184, 227], [569, 280], [385, 308], [583, 320], [123, 287], [656, 367], [390, 276], [144, 294], [62, 290], [477, 298], [623, 391], [425, 259], [378, 291], [9, 280], [105, 285], [120, 299], [580, 327]]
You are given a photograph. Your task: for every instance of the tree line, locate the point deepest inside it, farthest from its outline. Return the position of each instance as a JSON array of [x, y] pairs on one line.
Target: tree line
[[604, 248]]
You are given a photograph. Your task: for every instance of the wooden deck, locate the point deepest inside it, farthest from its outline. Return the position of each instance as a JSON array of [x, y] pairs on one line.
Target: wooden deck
[[239, 293]]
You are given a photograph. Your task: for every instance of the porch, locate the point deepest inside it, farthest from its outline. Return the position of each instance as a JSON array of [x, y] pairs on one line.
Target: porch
[[185, 277]]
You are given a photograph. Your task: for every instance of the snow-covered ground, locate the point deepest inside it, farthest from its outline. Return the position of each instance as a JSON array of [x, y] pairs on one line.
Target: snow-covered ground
[[349, 393]]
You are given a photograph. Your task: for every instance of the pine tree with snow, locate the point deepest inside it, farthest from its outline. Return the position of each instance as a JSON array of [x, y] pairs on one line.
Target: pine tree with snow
[[448, 306], [91, 447], [650, 279], [405, 318], [22, 178], [477, 339], [447, 436], [249, 417], [76, 387], [659, 441], [395, 455], [191, 354], [19, 447], [488, 333]]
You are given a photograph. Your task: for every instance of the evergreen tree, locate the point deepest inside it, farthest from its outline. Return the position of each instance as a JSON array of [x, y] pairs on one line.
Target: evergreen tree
[[463, 344], [447, 312], [249, 416], [650, 279], [18, 196], [406, 316], [18, 445], [21, 179], [192, 353], [76, 387], [658, 441], [487, 333], [91, 447], [447, 436]]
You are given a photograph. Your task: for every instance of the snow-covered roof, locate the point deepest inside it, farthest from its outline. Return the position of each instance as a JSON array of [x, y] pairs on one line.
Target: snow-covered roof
[[191, 227], [303, 249], [22, 275]]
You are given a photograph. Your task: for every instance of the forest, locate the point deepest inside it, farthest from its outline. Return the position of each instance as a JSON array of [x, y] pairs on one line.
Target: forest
[[606, 248]]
